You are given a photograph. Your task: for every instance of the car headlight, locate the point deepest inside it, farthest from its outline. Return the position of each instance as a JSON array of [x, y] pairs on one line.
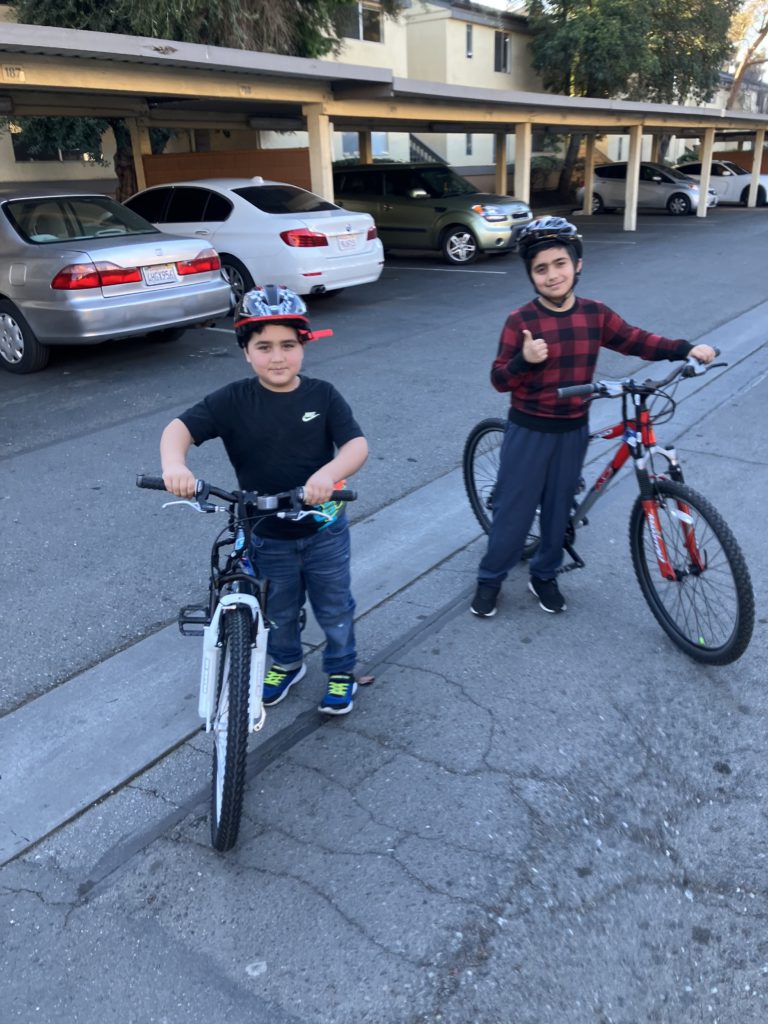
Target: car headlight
[[490, 213]]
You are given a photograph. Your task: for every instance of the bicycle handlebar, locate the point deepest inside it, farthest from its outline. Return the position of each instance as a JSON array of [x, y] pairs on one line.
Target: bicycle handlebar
[[264, 502], [614, 388]]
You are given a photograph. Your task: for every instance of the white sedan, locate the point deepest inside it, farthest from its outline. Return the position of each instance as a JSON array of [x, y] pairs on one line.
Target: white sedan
[[730, 181], [269, 232]]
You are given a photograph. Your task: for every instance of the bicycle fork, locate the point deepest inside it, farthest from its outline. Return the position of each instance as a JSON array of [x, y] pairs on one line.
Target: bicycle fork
[[212, 654]]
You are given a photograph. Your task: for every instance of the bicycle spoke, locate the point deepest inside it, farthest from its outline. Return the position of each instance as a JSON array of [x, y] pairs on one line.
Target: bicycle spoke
[[708, 609]]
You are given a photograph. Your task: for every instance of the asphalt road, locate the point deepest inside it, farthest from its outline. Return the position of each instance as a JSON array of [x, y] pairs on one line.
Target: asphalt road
[[91, 564], [526, 820]]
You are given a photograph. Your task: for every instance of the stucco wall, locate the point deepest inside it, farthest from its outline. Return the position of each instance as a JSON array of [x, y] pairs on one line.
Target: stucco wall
[[84, 171], [391, 52]]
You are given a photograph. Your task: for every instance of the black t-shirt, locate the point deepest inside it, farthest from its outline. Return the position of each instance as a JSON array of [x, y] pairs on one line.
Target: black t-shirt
[[275, 440]]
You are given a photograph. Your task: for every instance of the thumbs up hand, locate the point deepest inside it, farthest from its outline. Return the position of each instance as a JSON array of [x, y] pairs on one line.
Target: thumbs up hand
[[534, 349]]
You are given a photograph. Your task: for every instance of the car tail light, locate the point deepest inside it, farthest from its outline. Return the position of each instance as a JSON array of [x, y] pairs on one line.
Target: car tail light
[[372, 233], [204, 262], [303, 238], [77, 276]]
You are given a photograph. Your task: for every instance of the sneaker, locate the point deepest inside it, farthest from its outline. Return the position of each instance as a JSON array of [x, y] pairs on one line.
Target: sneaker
[[484, 601], [548, 593], [278, 682], [338, 698]]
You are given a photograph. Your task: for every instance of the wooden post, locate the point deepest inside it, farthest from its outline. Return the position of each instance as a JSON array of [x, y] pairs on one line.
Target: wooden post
[[633, 177]]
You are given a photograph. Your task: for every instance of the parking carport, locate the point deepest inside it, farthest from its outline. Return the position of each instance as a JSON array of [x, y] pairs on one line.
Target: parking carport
[[161, 83]]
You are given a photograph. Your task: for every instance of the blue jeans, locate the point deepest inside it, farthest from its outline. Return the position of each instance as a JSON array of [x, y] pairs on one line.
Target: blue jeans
[[316, 567], [535, 470]]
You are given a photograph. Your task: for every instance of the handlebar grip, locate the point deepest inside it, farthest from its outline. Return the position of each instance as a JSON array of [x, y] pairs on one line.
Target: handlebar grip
[[577, 389], [344, 495], [151, 483]]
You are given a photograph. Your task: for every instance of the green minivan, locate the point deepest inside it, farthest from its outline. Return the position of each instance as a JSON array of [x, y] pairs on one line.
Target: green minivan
[[430, 206]]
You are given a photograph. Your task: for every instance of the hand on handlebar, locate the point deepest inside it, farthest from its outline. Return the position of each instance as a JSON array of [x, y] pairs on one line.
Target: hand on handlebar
[[319, 488], [702, 353], [179, 480]]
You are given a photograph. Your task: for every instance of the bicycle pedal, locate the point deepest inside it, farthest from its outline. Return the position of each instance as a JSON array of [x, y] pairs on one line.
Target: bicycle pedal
[[193, 618]]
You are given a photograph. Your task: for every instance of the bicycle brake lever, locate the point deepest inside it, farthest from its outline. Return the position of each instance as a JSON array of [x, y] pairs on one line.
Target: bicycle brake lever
[[198, 506]]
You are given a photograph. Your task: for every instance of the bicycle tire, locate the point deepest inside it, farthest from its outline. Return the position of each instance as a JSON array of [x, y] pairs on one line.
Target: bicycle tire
[[230, 729], [708, 614], [480, 466]]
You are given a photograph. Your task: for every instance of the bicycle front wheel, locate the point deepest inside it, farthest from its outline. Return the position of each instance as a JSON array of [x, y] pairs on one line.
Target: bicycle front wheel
[[708, 609], [480, 464], [230, 729]]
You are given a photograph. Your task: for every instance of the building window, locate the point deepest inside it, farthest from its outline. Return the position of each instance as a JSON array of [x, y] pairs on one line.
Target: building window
[[469, 40], [361, 20], [469, 143], [501, 52]]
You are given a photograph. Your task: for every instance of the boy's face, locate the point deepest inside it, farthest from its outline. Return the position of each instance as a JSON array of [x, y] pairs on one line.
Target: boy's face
[[276, 356], [553, 273]]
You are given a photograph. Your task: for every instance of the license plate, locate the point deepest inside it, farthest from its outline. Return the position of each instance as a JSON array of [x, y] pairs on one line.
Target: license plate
[[347, 242], [161, 273]]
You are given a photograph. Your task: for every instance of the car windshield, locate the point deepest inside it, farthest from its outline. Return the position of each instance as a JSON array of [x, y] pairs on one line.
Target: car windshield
[[734, 167], [442, 181], [283, 199], [51, 219]]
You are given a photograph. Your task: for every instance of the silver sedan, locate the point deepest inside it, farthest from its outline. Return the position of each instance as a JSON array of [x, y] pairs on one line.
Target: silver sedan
[[80, 269]]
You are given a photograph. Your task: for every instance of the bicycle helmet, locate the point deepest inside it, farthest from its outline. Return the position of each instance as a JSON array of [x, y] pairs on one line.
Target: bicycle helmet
[[273, 304], [545, 232]]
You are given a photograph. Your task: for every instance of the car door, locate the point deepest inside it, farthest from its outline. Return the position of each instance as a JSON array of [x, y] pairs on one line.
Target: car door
[[727, 184], [652, 192], [361, 189], [408, 209], [196, 212]]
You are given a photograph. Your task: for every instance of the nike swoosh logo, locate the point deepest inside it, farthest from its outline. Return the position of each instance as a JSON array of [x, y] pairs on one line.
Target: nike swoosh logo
[[309, 416]]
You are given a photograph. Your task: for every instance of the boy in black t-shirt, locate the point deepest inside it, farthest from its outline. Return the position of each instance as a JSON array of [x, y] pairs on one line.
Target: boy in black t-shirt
[[281, 430]]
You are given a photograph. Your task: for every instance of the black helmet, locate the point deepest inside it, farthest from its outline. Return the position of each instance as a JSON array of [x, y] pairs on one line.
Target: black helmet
[[544, 232], [273, 304]]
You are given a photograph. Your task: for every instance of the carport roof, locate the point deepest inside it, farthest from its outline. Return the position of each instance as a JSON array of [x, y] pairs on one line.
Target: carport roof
[[52, 70]]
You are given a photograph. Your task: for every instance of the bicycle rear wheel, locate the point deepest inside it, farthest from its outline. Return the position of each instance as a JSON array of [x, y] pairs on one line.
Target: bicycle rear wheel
[[480, 465], [709, 609], [230, 729]]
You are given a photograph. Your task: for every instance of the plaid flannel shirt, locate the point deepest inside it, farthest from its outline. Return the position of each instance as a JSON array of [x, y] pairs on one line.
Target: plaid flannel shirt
[[574, 339]]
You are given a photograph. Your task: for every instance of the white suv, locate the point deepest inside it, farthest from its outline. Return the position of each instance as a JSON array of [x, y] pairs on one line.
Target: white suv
[[660, 188]]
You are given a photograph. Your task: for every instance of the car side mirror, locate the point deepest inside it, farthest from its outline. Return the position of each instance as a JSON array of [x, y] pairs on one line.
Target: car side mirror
[[417, 193], [656, 178], [726, 174]]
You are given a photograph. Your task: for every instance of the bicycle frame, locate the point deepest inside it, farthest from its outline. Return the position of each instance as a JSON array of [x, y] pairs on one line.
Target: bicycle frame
[[640, 444]]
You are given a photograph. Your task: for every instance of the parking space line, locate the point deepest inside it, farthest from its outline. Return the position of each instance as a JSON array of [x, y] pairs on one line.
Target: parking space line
[[449, 270]]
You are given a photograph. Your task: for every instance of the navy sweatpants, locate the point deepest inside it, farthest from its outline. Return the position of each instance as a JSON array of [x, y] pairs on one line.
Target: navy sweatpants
[[535, 469]]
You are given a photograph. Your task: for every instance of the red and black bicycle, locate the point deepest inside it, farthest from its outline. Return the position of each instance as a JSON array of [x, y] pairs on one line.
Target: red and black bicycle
[[687, 561]]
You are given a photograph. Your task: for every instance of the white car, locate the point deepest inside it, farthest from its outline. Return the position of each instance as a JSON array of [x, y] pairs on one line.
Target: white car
[[730, 181], [269, 232]]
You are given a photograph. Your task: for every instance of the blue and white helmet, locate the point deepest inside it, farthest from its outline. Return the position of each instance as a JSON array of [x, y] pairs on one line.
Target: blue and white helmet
[[272, 303]]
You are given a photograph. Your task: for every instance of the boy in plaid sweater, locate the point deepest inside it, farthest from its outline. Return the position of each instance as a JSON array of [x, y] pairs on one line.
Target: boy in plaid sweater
[[550, 343]]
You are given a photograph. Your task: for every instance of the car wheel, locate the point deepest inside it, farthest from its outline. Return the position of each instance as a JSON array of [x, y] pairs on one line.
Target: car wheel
[[20, 351], [679, 205], [760, 201], [167, 334], [459, 245], [238, 276], [598, 206]]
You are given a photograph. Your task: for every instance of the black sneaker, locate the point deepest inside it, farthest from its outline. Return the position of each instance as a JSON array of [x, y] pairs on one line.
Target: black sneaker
[[548, 593], [484, 601]]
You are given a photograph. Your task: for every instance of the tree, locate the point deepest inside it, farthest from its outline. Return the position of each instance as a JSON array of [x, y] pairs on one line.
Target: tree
[[749, 28], [659, 50], [304, 28]]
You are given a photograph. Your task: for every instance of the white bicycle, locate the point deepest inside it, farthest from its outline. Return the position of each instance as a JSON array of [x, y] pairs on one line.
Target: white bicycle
[[234, 627]]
